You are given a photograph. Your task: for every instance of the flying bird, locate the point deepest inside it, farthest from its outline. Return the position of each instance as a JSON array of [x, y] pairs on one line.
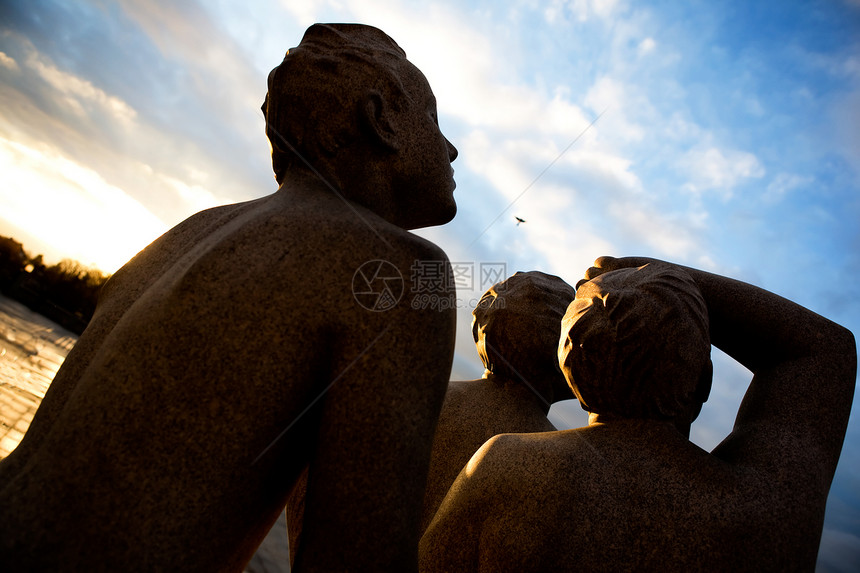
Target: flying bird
[[519, 220]]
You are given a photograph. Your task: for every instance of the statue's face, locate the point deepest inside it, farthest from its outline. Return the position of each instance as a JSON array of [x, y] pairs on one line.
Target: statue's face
[[424, 182]]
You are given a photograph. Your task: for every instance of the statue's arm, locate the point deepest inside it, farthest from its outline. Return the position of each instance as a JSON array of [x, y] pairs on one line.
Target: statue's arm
[[795, 411], [368, 473], [804, 366]]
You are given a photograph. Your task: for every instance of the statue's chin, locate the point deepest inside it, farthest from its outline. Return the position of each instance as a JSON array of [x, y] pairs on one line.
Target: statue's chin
[[439, 217]]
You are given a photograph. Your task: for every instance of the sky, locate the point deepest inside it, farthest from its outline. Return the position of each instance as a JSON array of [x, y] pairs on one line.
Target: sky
[[720, 135]]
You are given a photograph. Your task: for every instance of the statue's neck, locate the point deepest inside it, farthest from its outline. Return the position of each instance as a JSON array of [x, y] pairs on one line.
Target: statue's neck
[[527, 391], [614, 420]]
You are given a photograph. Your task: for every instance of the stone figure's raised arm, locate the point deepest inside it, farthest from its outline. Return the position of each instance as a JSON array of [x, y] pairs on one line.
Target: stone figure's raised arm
[[795, 412]]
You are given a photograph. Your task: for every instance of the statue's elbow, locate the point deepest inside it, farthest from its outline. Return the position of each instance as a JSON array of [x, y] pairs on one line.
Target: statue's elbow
[[844, 343], [843, 352]]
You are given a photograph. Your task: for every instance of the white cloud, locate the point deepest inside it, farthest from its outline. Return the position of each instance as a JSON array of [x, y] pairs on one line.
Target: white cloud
[[618, 100], [306, 11], [8, 62], [560, 116], [552, 12], [720, 170], [580, 10], [221, 76], [679, 129], [567, 210], [473, 74], [504, 164], [646, 46], [606, 165], [644, 224], [569, 245], [80, 94], [196, 197], [783, 184]]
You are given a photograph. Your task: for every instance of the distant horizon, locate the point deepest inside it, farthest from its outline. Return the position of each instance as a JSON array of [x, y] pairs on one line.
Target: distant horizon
[[50, 255]]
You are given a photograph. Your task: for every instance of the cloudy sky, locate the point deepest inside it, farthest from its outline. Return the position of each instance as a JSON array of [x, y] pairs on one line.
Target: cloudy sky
[[722, 135]]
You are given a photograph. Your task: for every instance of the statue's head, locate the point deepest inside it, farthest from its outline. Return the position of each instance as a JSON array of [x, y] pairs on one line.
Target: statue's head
[[516, 326], [347, 89], [635, 344]]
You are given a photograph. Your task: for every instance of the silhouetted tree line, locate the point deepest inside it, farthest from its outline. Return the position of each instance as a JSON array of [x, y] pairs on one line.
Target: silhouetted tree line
[[66, 292]]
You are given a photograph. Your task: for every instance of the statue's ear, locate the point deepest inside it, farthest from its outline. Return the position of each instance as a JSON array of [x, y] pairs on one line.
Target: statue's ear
[[376, 115]]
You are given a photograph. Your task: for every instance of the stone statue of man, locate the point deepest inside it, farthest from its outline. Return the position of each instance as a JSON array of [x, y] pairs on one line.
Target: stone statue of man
[[630, 492], [515, 327], [231, 353]]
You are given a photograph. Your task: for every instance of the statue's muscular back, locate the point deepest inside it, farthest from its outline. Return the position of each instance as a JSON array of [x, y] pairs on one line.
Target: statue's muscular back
[[115, 298], [201, 367]]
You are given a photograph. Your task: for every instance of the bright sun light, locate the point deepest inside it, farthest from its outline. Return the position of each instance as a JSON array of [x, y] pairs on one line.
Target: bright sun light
[[72, 208]]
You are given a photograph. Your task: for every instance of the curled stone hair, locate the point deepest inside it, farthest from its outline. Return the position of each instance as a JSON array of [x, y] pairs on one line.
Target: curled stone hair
[[635, 343], [312, 98], [517, 322]]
